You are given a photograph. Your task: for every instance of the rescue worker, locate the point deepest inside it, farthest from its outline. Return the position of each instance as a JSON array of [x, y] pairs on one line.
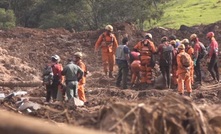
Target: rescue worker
[[135, 68], [184, 62], [123, 62], [81, 83], [197, 49], [58, 80], [73, 74], [146, 48], [165, 51], [213, 57], [189, 49], [177, 41], [174, 64], [108, 43], [47, 81]]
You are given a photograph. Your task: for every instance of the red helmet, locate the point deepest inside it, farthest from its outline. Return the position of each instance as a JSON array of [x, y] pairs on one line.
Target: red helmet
[[210, 35]]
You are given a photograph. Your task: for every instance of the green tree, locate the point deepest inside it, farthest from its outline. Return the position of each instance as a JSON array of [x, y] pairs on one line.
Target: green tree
[[7, 19]]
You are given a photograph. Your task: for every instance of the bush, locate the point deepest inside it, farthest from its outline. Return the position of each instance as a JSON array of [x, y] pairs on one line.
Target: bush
[[7, 19]]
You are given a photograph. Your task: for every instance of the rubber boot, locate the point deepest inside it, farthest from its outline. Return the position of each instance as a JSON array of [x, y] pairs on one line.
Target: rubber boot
[[189, 94]]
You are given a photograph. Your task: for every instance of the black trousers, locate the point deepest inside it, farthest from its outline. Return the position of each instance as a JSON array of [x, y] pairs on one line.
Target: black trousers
[[213, 67], [48, 92], [165, 70], [54, 89], [122, 74], [197, 71]]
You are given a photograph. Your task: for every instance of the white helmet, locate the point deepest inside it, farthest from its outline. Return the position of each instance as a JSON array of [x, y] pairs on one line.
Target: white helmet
[[56, 57], [149, 35], [109, 28]]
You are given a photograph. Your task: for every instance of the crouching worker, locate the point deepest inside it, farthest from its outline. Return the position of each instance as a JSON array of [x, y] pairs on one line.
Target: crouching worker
[[184, 63], [135, 68], [81, 83], [123, 62], [73, 74]]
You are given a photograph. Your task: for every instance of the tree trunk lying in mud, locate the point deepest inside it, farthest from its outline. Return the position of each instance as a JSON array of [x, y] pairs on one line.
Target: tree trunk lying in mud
[[16, 124], [20, 83]]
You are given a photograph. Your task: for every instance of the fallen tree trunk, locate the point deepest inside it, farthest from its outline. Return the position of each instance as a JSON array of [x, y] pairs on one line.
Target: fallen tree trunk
[[20, 83], [16, 124]]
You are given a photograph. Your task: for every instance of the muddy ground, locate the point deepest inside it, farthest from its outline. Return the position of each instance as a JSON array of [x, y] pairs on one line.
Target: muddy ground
[[25, 51]]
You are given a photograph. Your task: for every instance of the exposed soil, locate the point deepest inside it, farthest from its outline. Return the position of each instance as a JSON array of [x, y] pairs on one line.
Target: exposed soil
[[24, 53]]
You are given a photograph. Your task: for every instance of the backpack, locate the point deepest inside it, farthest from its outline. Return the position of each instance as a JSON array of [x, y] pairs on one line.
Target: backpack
[[167, 54], [47, 76], [203, 51], [185, 60], [120, 55]]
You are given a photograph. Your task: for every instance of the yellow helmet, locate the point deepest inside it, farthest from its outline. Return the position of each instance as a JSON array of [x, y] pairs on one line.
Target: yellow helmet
[[181, 46], [109, 28], [78, 54], [193, 36], [185, 41], [172, 42]]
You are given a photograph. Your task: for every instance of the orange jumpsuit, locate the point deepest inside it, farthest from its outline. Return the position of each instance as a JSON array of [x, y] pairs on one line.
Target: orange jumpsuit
[[183, 74], [82, 82], [174, 68], [108, 44], [135, 71], [190, 51], [146, 52]]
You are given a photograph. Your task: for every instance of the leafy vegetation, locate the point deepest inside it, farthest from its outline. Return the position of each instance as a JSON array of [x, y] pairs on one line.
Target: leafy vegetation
[[7, 19], [82, 14], [188, 12]]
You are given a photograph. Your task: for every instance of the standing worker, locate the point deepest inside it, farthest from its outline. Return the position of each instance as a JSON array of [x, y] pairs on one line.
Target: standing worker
[[123, 62], [184, 63], [165, 51], [213, 57], [146, 48], [174, 64], [108, 43], [81, 83], [189, 49], [73, 74], [197, 50], [57, 91]]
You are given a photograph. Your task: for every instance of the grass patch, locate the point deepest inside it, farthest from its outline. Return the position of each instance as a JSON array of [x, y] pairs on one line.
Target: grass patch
[[188, 12]]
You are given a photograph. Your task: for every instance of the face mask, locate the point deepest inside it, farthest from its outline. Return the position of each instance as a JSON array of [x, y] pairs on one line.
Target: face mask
[[192, 42]]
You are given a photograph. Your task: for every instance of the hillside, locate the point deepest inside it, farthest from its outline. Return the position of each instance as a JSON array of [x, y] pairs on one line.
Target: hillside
[[189, 12]]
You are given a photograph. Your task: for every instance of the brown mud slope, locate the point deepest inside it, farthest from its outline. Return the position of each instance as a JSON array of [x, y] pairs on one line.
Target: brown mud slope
[[24, 52]]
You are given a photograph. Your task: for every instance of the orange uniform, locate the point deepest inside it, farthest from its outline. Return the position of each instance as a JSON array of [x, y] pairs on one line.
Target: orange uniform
[[190, 51], [135, 71], [108, 44], [183, 74], [82, 82], [146, 49]]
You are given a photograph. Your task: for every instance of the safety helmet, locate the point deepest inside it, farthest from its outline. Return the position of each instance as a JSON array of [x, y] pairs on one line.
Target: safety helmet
[[210, 35], [185, 41], [109, 28], [193, 36], [173, 42], [56, 58], [78, 54], [148, 35], [181, 46]]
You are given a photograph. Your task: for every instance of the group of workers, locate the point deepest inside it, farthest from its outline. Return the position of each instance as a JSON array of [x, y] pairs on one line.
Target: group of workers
[[65, 83], [182, 59]]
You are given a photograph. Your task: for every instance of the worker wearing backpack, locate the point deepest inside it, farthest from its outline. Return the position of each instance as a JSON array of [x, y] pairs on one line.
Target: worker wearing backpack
[[197, 57], [174, 64], [108, 43], [213, 57], [189, 49], [165, 51], [184, 63]]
